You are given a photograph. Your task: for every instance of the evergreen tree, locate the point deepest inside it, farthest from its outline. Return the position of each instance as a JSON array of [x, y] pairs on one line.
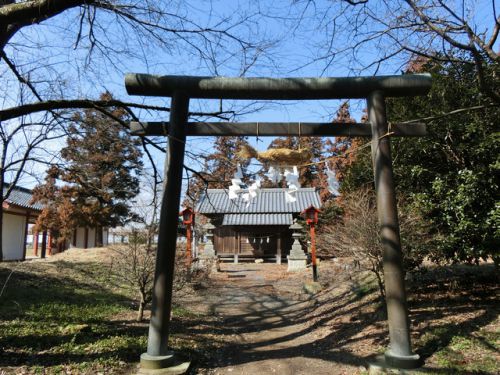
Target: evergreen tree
[[99, 177], [451, 176], [58, 215], [352, 161], [222, 163], [219, 168]]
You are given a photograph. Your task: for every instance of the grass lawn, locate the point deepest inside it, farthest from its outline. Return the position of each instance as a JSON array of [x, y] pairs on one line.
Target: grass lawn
[[455, 312], [58, 317], [67, 315]]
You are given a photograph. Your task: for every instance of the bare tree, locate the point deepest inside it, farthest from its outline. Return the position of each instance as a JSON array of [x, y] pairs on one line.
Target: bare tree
[[57, 56], [134, 266], [21, 146], [147, 204], [370, 35], [357, 235]]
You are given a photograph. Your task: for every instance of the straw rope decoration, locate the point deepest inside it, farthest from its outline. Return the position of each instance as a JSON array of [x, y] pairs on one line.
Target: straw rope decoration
[[248, 152], [285, 158], [290, 157], [275, 156]]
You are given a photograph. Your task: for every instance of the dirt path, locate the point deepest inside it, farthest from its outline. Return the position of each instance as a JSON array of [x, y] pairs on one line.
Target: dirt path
[[264, 316], [257, 319]]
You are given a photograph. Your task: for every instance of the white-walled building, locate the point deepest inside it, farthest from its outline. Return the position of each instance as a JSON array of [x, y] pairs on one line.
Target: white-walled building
[[85, 238], [18, 213]]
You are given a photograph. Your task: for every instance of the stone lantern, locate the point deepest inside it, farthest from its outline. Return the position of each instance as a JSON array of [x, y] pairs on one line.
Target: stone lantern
[[209, 250], [297, 260]]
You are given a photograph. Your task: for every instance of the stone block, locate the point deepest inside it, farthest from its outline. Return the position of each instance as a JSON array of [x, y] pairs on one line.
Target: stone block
[[297, 263]]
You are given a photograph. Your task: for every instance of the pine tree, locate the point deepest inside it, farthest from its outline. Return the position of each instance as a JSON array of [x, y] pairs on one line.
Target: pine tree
[[223, 162], [58, 215], [219, 168], [349, 155], [99, 177]]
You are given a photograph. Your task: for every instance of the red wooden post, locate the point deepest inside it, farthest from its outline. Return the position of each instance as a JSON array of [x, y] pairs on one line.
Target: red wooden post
[[311, 214], [188, 220], [44, 244], [26, 234], [313, 253], [49, 243], [188, 245], [86, 238], [35, 244]]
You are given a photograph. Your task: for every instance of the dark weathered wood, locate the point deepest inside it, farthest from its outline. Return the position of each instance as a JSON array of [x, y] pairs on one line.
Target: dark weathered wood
[[35, 244], [278, 248], [44, 244], [400, 353], [86, 238], [292, 88], [26, 233], [159, 325], [276, 129]]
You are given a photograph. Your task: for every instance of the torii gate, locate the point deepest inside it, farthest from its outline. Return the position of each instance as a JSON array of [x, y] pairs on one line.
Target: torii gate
[[373, 89]]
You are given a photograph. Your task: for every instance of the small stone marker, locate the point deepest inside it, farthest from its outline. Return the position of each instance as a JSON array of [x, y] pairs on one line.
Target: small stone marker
[[312, 287], [297, 260]]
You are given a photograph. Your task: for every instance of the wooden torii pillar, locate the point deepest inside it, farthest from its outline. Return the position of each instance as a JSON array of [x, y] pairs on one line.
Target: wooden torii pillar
[[373, 89]]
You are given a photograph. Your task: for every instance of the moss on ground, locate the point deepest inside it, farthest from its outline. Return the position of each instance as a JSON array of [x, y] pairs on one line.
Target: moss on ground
[[72, 317], [65, 317]]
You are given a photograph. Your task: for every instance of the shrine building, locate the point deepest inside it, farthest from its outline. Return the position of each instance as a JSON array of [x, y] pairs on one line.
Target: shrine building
[[258, 229]]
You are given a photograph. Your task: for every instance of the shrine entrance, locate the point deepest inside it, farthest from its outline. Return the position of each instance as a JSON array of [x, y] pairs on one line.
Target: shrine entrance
[[374, 89]]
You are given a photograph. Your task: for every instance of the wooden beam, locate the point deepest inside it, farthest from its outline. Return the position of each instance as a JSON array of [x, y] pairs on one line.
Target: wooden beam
[[86, 238], [278, 248], [276, 129], [44, 244], [35, 244], [400, 353], [290, 88], [26, 234], [159, 324]]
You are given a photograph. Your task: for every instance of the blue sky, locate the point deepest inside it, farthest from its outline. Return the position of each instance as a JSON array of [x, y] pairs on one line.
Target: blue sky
[[295, 34]]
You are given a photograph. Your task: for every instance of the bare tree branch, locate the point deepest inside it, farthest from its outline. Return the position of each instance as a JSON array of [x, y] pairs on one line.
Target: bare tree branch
[[48, 105]]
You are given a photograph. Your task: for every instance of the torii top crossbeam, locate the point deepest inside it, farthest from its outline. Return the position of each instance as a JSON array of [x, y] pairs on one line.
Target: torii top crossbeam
[[374, 89], [278, 88]]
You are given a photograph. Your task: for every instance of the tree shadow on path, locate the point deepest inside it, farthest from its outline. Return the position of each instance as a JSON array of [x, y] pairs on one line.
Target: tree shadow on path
[[334, 332]]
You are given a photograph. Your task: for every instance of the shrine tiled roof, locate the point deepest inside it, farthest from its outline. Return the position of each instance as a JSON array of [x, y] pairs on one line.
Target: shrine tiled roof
[[257, 219], [21, 197], [216, 201]]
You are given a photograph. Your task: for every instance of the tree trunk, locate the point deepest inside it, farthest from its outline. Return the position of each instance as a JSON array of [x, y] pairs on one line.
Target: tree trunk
[[1, 226], [142, 306], [98, 236], [380, 283], [2, 176], [149, 244]]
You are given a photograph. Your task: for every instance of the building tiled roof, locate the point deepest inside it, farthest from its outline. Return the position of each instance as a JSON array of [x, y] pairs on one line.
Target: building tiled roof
[[216, 201], [257, 219], [21, 197]]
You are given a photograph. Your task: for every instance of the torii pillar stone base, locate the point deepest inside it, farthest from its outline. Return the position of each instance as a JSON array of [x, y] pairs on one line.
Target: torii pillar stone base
[[168, 364]]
